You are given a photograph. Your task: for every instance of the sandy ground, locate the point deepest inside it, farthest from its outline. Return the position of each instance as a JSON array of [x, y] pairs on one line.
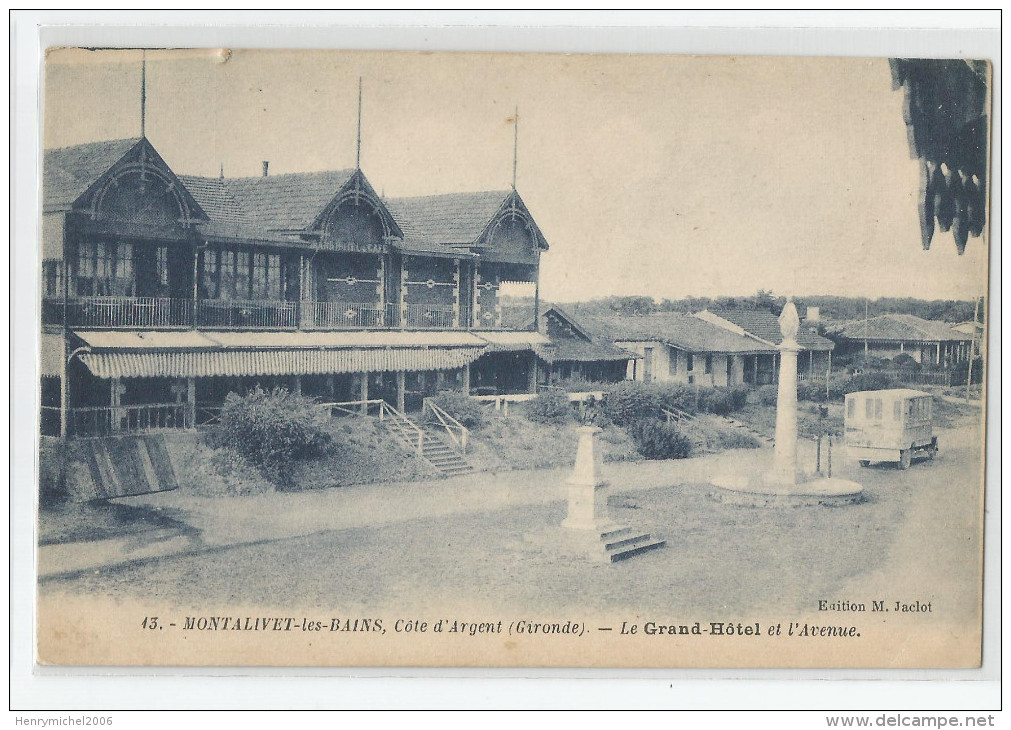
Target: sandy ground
[[493, 538]]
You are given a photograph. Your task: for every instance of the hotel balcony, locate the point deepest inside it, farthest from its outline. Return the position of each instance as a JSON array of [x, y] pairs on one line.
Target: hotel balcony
[[166, 313]]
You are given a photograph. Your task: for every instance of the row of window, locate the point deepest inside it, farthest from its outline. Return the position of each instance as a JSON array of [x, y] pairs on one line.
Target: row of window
[[673, 362], [916, 409], [236, 274]]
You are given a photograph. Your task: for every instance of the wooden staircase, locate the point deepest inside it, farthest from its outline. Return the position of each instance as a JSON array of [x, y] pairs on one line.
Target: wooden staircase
[[424, 443]]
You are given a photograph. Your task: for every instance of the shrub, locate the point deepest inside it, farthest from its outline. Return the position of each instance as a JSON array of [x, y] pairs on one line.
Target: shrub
[[676, 396], [715, 400], [811, 390], [768, 395], [869, 381], [460, 406], [550, 406], [274, 428], [739, 396], [657, 439], [629, 401]]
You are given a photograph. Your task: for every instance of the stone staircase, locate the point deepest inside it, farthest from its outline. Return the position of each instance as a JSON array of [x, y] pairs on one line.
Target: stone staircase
[[626, 542], [763, 438], [434, 449]]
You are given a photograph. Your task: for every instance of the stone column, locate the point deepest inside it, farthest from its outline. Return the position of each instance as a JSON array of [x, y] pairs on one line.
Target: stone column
[[784, 465], [587, 490], [401, 388], [466, 379], [532, 374]]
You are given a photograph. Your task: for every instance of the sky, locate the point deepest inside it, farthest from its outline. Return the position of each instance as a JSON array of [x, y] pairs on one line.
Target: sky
[[665, 176]]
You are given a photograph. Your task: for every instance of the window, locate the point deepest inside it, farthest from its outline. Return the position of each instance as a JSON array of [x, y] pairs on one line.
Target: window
[[243, 275], [691, 363], [851, 407], [709, 364], [226, 285], [672, 362], [897, 411], [104, 269], [877, 409], [274, 277], [52, 278], [209, 275], [161, 265], [259, 276], [868, 408]]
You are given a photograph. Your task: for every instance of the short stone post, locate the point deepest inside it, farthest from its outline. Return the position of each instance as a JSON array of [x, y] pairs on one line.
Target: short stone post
[[587, 490]]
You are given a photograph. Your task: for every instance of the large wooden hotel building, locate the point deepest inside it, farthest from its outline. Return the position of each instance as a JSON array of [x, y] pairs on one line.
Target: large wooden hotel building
[[164, 292]]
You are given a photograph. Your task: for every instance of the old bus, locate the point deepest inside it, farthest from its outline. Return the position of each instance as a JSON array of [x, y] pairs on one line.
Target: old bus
[[890, 425]]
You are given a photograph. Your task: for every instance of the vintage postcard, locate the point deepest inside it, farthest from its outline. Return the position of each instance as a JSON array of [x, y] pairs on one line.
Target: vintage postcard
[[448, 359]]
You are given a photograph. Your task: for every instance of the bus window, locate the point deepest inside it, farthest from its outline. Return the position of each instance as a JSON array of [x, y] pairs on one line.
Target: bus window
[[877, 409], [869, 408], [897, 411], [851, 407]]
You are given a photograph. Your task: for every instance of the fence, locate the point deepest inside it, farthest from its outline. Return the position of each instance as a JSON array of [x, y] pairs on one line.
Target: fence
[[122, 420]]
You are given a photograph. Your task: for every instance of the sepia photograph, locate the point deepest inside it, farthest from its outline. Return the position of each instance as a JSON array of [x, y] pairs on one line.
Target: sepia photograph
[[446, 359]]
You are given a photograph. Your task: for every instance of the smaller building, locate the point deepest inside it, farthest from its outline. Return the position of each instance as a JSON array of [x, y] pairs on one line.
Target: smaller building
[[887, 336], [815, 356], [683, 348], [574, 353]]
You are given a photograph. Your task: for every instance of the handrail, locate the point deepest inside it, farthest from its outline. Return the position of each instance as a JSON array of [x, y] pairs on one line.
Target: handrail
[[677, 415], [403, 420], [449, 423], [345, 406]]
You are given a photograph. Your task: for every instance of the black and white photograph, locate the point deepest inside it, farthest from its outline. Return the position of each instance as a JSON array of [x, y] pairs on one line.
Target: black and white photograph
[[447, 359]]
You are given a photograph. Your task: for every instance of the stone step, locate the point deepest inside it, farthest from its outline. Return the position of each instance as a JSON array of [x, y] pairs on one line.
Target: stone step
[[630, 540], [637, 548]]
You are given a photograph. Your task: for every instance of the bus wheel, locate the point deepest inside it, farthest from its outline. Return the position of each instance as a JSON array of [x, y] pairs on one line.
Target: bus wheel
[[905, 458], [932, 452], [865, 462]]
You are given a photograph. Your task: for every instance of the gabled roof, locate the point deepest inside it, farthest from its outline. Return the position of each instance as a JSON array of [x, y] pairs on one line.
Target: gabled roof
[[286, 202], [453, 219], [68, 172], [764, 325], [570, 350], [899, 328], [683, 331]]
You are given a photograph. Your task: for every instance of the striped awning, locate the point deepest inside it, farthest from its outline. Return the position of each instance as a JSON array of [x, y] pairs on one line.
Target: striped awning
[[275, 362]]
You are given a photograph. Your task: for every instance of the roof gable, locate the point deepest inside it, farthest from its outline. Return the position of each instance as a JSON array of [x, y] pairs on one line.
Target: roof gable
[[453, 219], [764, 325], [682, 331], [68, 172]]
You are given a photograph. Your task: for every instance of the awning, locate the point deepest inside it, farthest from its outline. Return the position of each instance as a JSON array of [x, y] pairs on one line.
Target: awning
[[201, 364]]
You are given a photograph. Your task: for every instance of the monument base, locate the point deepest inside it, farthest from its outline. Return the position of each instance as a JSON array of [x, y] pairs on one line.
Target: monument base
[[772, 490]]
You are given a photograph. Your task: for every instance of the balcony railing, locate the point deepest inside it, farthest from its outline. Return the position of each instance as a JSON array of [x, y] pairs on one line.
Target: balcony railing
[[160, 312], [437, 316], [336, 315], [119, 312], [240, 313], [123, 420]]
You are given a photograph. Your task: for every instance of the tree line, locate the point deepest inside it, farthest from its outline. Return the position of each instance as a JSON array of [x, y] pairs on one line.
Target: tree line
[[831, 307]]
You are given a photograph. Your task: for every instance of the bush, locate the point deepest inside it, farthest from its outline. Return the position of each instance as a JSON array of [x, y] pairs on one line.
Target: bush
[[464, 409], [628, 402], [274, 428], [768, 395], [868, 381], [657, 439], [739, 396], [811, 390], [715, 400], [550, 406], [676, 396]]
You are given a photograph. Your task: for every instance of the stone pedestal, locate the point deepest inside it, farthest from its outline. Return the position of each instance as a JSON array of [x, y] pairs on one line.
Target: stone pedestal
[[589, 524], [587, 490]]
